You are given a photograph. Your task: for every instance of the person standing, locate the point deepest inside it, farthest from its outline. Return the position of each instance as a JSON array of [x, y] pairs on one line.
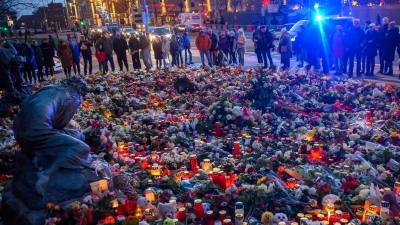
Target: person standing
[[338, 49], [101, 59], [378, 19], [84, 47], [355, 43], [120, 48], [108, 49], [173, 49], [285, 49], [134, 47], [203, 44], [389, 48], [39, 60], [65, 55], [364, 55], [30, 63], [256, 47], [186, 45], [214, 44], [51, 42], [48, 54], [223, 44], [181, 47], [165, 50], [76, 56], [145, 50], [265, 43], [241, 44], [158, 54], [371, 48], [232, 47], [382, 33]]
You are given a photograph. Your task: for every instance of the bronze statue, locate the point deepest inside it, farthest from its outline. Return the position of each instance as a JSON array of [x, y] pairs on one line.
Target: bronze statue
[[39, 128]]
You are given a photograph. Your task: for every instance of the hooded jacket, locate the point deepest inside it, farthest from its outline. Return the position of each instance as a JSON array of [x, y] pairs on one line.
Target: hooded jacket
[[38, 55], [65, 55], [214, 42], [223, 44]]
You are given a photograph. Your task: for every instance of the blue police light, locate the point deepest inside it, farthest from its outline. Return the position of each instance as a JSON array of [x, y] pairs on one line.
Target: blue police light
[[316, 6], [318, 17]]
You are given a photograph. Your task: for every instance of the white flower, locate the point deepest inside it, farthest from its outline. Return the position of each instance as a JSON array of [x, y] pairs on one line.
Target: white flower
[[312, 191], [228, 117]]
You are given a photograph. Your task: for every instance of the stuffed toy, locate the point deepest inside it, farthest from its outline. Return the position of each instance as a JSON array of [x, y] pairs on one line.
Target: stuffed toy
[[280, 217], [221, 202], [143, 203], [167, 221], [394, 207], [167, 210], [267, 218]]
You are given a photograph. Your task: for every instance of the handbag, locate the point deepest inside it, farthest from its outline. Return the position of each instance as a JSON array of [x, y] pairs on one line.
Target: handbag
[[284, 48]]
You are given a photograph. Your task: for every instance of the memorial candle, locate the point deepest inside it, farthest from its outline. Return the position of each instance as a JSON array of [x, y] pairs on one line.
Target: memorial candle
[[236, 149], [194, 163], [368, 116], [218, 129], [181, 214], [89, 215], [198, 208]]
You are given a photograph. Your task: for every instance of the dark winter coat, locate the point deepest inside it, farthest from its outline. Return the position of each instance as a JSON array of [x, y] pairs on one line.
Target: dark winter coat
[[285, 42], [144, 43], [265, 40], [232, 43], [382, 33], [30, 62], [173, 46], [157, 48], [48, 54], [355, 38], [371, 42], [120, 46], [214, 42], [85, 52], [390, 44], [106, 43], [186, 41], [223, 44], [38, 55], [255, 35], [65, 55], [134, 44], [338, 45]]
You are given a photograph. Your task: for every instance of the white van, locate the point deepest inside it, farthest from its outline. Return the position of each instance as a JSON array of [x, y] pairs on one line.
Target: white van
[[190, 18]]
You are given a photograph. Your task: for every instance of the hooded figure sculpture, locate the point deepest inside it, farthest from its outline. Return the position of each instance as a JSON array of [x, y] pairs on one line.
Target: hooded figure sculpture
[[39, 129]]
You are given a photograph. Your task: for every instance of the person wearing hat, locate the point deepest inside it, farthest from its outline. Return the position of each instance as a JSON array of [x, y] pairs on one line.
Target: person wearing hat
[[120, 48], [108, 49]]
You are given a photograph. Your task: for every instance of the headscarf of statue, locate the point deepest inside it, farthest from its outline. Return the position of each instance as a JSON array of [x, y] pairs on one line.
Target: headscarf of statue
[[75, 85]]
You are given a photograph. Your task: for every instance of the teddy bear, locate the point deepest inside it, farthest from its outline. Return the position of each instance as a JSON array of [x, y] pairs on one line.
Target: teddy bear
[[143, 203], [166, 210], [267, 218], [280, 217], [221, 202]]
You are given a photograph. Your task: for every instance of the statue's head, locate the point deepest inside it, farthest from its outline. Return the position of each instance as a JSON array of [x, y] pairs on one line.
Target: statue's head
[[75, 84]]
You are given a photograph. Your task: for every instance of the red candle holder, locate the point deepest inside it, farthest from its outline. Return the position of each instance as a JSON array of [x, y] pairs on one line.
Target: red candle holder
[[222, 215], [181, 214], [218, 129], [194, 163], [236, 149], [198, 208]]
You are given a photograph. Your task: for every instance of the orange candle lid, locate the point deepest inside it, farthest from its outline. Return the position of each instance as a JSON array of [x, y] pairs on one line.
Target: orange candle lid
[[320, 216], [300, 215], [308, 216]]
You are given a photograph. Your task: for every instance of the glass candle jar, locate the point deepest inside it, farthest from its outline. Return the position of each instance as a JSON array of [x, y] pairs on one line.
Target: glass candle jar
[[222, 215], [238, 219], [198, 208], [181, 214]]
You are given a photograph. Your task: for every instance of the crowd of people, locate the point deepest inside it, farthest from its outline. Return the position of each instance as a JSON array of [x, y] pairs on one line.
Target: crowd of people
[[338, 48]]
